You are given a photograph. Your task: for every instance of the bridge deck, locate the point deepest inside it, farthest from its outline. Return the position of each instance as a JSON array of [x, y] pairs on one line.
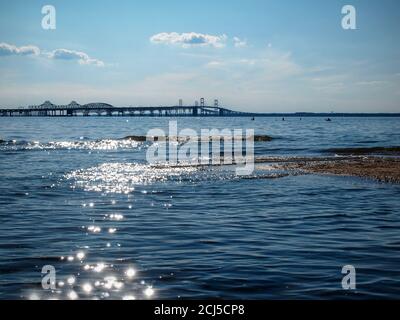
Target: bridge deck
[[102, 109]]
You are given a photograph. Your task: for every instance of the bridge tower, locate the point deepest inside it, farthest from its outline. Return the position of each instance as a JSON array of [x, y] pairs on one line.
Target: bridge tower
[[180, 102], [202, 102], [216, 103]]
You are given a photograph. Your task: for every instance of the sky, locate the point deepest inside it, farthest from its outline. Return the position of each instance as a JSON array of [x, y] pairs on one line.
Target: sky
[[254, 55]]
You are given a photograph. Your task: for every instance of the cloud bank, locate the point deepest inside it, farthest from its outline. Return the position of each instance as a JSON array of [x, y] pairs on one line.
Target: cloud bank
[[9, 50], [81, 57], [190, 39], [238, 43], [58, 54]]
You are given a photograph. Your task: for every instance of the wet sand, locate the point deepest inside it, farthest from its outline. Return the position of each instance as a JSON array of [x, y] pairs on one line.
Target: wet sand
[[366, 151], [377, 168]]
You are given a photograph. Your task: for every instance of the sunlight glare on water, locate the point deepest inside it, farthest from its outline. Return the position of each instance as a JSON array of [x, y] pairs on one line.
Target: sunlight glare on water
[[122, 177]]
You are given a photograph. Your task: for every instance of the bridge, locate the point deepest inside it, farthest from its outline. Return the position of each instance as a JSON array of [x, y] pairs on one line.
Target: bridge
[[48, 109]]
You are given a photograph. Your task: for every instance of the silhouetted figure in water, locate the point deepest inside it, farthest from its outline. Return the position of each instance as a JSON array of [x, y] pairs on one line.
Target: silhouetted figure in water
[[329, 120], [252, 119], [283, 119]]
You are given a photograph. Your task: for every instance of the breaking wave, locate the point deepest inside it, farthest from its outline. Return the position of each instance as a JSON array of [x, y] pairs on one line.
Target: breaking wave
[[83, 144]]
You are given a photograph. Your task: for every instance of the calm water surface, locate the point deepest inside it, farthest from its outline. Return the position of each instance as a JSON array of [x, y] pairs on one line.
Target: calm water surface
[[74, 196]]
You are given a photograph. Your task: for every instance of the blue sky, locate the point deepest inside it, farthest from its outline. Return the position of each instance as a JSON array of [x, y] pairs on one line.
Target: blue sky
[[252, 55]]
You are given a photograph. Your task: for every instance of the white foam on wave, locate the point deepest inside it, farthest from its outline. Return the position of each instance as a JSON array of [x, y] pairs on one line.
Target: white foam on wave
[[99, 145]]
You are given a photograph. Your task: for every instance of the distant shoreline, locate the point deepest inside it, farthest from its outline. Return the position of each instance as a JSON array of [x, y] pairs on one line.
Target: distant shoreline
[[324, 115], [242, 115]]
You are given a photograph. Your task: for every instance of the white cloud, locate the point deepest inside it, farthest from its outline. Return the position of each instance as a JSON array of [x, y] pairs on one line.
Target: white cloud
[[238, 43], [60, 54], [190, 39], [81, 57], [214, 64], [370, 83], [9, 49], [271, 65], [248, 62]]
